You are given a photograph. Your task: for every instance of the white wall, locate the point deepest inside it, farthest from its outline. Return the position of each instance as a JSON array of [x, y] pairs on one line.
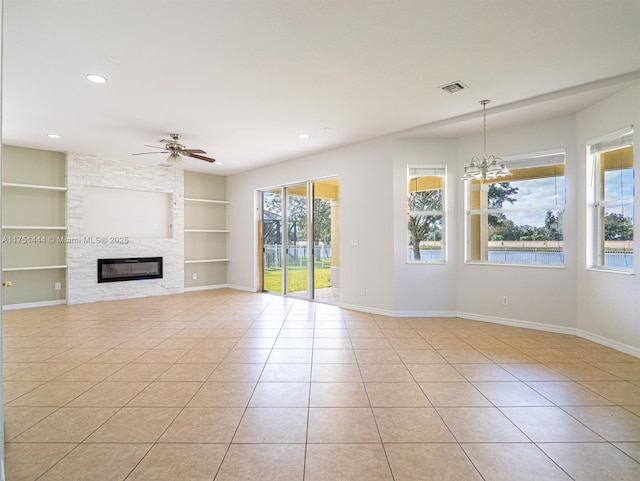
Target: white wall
[[608, 304], [424, 289], [570, 299], [542, 295], [366, 212]]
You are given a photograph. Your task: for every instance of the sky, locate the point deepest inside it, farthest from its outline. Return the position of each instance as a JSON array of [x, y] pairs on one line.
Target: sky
[[551, 191], [546, 192]]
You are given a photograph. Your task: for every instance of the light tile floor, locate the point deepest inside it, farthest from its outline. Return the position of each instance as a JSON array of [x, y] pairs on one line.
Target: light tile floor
[[228, 385]]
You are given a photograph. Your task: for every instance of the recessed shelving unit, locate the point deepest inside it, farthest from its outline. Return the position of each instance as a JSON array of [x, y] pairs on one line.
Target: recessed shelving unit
[[36, 268], [210, 201], [33, 211], [34, 227], [34, 186], [205, 240]]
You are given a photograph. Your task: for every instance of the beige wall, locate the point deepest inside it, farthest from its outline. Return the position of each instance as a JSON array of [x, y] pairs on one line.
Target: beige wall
[[22, 206], [205, 216]]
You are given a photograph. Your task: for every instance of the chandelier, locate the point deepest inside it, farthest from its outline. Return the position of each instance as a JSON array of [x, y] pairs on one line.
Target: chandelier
[[489, 167]]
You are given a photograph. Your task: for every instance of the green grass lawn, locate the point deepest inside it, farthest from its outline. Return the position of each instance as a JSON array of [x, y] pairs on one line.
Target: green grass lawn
[[297, 279]]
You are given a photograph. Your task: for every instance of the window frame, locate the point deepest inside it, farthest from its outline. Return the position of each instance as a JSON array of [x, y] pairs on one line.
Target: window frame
[[547, 158], [597, 204], [438, 170]]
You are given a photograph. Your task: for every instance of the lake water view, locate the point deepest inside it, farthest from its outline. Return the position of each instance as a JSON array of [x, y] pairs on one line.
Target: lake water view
[[534, 257]]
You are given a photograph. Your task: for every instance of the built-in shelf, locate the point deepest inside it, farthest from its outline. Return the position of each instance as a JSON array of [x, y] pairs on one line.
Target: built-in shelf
[[33, 186], [32, 268], [34, 227], [205, 233], [202, 261], [211, 201], [33, 207]]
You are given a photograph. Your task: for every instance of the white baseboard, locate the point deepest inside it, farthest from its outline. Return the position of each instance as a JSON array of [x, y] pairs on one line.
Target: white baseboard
[[205, 288], [388, 313], [425, 314], [370, 310], [618, 346], [29, 305], [539, 326], [241, 288]]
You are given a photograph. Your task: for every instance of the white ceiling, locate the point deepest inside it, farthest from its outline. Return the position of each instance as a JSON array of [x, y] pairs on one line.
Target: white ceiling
[[242, 79]]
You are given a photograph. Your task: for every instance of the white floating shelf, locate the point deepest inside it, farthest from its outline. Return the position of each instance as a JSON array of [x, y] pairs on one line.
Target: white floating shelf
[[201, 261], [34, 227], [33, 268], [33, 186], [206, 230], [211, 201]]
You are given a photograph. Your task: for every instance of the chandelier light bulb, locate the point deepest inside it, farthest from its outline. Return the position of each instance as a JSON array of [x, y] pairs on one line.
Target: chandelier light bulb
[[489, 167]]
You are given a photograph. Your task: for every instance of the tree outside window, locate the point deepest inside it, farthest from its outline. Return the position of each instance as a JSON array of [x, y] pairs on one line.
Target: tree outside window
[[612, 199], [425, 214], [519, 219]]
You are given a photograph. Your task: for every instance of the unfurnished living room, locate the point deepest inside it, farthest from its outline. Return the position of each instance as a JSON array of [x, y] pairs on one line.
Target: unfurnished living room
[[320, 240]]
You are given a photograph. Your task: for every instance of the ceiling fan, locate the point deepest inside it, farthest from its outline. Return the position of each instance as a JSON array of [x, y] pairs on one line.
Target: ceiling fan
[[176, 149]]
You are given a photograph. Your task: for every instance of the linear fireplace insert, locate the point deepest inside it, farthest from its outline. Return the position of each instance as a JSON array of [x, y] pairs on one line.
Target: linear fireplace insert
[[129, 269]]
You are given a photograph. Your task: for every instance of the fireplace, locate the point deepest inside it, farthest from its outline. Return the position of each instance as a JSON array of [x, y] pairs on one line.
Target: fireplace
[[129, 269]]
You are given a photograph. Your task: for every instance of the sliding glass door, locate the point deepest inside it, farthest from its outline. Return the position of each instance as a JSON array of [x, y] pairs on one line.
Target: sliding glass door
[[297, 251], [272, 264], [326, 253], [299, 239]]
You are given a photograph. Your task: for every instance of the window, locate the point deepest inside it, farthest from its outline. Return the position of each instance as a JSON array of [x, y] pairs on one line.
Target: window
[[425, 214], [612, 192], [519, 219]]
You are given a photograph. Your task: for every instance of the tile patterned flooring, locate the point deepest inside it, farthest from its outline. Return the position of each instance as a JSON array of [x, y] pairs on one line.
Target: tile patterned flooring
[[228, 385]]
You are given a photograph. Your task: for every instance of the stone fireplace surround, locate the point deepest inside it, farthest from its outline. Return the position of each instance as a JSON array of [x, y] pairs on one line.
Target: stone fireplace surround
[[82, 285]]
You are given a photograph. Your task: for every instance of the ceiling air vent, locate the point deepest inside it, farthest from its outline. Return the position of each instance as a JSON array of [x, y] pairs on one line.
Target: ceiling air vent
[[453, 87]]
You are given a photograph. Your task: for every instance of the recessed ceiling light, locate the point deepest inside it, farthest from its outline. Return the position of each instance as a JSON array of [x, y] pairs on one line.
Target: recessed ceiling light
[[96, 79], [54, 136], [303, 136]]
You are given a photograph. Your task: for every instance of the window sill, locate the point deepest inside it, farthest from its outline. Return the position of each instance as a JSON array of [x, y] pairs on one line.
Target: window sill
[[609, 270], [499, 264], [426, 263]]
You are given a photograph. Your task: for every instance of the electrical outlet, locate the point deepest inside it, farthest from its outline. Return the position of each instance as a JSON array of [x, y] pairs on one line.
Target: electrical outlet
[[194, 276], [505, 301], [57, 286], [363, 291]]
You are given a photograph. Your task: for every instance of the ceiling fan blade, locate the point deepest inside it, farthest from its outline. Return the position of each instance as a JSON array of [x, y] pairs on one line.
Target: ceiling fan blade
[[155, 147], [200, 157], [145, 153], [193, 151]]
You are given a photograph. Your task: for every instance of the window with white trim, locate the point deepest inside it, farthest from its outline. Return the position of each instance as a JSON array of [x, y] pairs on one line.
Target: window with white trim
[[519, 219], [425, 213], [611, 192]]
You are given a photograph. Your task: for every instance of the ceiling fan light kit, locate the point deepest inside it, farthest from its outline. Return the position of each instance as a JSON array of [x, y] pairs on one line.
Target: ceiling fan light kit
[[175, 150], [174, 159]]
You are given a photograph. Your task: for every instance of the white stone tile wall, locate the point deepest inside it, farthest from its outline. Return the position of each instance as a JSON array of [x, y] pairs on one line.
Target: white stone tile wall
[[82, 258]]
